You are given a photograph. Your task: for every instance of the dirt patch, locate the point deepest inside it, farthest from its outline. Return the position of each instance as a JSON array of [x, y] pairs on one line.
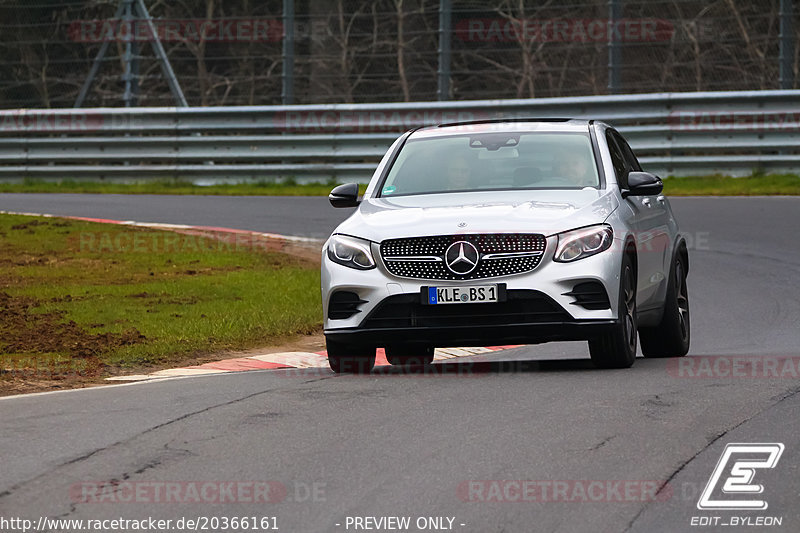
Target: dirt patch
[[67, 298], [20, 383], [164, 298], [141, 295], [31, 224], [23, 331], [41, 351], [28, 260]]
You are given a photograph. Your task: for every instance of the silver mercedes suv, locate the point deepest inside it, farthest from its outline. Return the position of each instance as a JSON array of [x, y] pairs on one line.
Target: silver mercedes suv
[[500, 232]]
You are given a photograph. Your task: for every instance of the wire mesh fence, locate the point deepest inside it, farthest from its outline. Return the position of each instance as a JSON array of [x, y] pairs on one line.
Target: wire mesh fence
[[236, 52]]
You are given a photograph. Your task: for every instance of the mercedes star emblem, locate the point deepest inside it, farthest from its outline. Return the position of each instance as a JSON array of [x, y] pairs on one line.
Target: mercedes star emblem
[[461, 258]]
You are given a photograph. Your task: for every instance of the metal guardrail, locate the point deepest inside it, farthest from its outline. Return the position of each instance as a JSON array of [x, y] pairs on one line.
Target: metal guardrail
[[672, 133]]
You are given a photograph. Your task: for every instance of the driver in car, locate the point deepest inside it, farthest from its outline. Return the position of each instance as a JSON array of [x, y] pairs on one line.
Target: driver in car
[[573, 169]]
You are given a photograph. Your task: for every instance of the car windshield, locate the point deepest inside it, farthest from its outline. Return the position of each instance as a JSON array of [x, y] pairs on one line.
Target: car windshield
[[492, 161]]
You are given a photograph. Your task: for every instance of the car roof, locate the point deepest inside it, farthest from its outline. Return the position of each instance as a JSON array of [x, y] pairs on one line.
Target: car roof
[[543, 125]]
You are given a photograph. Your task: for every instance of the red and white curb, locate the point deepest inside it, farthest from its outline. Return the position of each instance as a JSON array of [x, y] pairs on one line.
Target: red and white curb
[[282, 360]]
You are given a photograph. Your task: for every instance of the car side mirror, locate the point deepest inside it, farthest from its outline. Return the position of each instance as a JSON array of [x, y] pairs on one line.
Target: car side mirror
[[643, 184], [344, 195]]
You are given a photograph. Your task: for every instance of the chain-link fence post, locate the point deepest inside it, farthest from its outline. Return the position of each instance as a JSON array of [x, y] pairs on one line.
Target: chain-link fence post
[[614, 50], [786, 53], [287, 92], [445, 16]]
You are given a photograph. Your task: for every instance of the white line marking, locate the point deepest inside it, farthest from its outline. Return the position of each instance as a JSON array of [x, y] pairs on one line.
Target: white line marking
[[170, 372]]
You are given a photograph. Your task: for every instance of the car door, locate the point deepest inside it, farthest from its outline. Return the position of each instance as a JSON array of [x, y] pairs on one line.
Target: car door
[[652, 233], [646, 222]]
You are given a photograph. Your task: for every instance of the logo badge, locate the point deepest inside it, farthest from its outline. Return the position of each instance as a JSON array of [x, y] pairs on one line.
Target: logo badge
[[461, 258], [462, 224], [738, 464]]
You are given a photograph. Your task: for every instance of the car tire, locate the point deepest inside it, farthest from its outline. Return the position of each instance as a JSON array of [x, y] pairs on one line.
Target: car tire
[[671, 337], [409, 355], [617, 347], [350, 359]]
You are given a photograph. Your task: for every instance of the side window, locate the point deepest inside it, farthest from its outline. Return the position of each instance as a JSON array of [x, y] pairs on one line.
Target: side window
[[617, 159], [630, 158]]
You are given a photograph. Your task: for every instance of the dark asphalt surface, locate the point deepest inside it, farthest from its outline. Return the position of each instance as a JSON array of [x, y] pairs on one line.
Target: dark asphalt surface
[[392, 444], [305, 216]]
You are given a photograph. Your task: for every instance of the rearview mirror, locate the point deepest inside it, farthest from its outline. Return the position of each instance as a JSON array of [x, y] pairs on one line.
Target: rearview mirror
[[643, 184], [344, 195]]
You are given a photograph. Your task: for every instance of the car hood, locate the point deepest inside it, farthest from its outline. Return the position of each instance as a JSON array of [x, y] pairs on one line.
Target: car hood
[[546, 212]]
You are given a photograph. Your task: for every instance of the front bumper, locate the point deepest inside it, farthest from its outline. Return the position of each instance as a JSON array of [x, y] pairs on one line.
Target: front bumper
[[483, 335], [556, 317]]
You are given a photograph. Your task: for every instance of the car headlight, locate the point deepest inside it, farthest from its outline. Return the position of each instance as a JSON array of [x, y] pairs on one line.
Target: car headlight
[[350, 252], [584, 242]]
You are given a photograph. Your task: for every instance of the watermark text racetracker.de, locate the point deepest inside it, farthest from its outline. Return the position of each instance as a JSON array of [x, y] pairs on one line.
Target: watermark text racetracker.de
[[735, 366], [572, 491], [64, 121], [174, 242], [562, 30], [727, 121], [207, 492], [368, 121], [228, 30]]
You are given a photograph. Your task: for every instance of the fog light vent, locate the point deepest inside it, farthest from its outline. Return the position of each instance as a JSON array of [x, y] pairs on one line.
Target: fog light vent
[[344, 304], [590, 295]]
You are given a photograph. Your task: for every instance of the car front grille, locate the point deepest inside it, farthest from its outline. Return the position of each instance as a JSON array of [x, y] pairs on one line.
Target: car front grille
[[521, 307], [500, 254]]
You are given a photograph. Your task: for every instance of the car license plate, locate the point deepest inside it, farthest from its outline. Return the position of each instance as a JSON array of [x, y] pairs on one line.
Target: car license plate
[[463, 295]]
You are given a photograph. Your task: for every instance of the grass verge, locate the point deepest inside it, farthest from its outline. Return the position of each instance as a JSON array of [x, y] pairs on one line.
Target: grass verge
[[754, 185], [717, 185], [80, 301]]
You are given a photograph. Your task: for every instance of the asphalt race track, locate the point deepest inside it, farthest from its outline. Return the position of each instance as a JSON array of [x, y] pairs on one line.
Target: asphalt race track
[[394, 444], [305, 216]]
